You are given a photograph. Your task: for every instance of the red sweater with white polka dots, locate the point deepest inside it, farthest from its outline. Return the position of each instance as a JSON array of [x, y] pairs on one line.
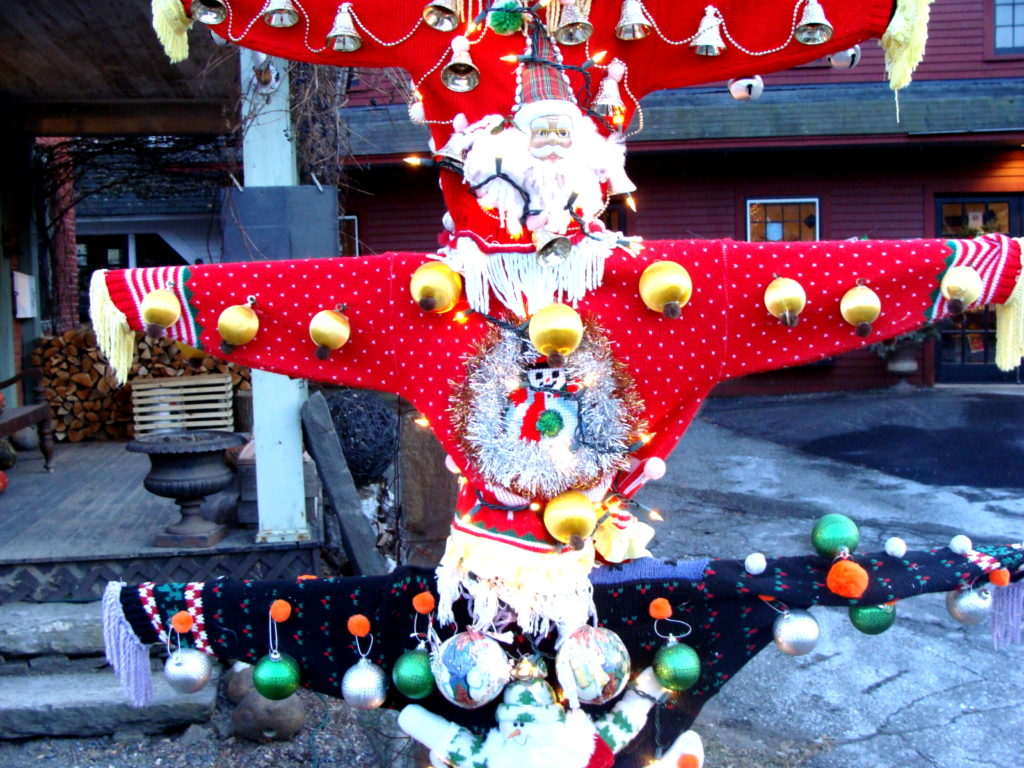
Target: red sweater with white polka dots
[[724, 332]]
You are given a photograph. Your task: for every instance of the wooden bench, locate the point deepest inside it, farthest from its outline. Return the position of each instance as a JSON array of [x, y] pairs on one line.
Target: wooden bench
[[14, 419]]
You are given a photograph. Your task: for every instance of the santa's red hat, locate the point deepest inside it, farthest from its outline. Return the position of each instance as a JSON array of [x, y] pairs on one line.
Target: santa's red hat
[[542, 89]]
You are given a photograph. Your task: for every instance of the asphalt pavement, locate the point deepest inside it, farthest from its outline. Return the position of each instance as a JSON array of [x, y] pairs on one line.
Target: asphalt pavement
[[753, 474]]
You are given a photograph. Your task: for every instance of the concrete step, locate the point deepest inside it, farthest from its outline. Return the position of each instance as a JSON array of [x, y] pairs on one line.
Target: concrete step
[[38, 629], [94, 704]]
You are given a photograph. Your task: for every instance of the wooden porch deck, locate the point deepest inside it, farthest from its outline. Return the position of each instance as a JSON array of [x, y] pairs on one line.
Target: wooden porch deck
[[64, 534]]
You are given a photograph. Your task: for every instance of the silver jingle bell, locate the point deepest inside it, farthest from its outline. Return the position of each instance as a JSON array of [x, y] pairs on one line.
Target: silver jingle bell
[[796, 632], [364, 686], [188, 670], [969, 606]]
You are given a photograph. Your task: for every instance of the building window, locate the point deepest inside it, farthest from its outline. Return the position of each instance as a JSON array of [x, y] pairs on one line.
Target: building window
[[1009, 26], [782, 219], [348, 235]]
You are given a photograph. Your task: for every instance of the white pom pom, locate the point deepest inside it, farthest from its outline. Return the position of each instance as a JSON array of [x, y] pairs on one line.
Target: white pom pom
[[416, 113], [460, 122], [449, 462], [755, 563], [961, 544], [617, 70], [460, 44], [448, 222], [896, 547], [654, 468]]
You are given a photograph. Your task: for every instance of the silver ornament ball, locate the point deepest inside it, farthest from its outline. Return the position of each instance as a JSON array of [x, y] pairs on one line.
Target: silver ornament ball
[[364, 686], [796, 632], [188, 670], [969, 606]]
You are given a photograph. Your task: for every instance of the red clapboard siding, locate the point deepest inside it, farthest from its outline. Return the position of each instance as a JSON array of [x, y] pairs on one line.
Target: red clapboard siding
[[399, 208]]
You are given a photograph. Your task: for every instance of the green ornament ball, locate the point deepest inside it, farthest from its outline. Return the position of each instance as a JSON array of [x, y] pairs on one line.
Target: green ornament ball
[[832, 532], [503, 21], [677, 666], [550, 423], [412, 674], [276, 676], [872, 619]]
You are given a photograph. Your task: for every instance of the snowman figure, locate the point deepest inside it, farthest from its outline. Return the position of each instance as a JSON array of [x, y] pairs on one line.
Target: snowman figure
[[533, 728], [544, 407]]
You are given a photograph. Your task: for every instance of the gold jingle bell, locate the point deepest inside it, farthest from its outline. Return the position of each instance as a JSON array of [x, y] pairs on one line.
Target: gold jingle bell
[[237, 325], [329, 329], [436, 287], [665, 287], [571, 518], [785, 299], [160, 310], [961, 286], [860, 307], [555, 332]]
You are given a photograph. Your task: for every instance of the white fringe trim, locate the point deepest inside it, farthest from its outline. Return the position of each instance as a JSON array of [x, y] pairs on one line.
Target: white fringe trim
[[128, 657]]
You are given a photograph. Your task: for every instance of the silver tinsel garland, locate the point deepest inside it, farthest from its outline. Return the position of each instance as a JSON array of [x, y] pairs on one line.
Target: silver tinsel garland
[[575, 459]]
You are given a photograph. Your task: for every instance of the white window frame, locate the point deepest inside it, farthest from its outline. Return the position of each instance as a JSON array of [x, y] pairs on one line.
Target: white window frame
[[781, 201], [354, 218]]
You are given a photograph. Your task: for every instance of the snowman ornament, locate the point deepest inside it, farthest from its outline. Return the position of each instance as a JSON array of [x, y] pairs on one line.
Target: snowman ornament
[[544, 406], [534, 729]]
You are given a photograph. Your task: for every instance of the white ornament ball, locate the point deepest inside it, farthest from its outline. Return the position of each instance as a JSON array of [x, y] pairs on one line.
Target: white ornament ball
[[470, 669], [969, 606], [188, 670], [755, 563], [654, 468], [796, 632], [896, 547], [595, 662], [961, 544], [746, 88], [364, 686]]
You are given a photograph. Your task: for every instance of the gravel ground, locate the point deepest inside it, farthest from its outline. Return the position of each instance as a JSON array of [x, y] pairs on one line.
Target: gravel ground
[[335, 735]]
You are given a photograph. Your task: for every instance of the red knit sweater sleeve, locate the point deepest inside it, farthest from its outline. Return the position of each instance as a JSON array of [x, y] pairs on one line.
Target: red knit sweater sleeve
[[905, 275]]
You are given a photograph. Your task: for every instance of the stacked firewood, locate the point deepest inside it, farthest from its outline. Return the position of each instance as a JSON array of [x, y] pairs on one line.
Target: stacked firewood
[[84, 397]]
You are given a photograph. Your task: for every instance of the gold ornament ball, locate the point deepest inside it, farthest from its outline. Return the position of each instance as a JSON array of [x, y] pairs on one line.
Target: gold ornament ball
[[961, 286], [785, 299], [160, 309], [329, 329], [436, 287], [556, 331], [665, 287], [860, 307], [570, 518], [238, 325]]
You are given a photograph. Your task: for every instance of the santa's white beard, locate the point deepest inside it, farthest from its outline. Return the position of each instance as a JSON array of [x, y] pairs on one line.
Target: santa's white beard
[[567, 745], [590, 160]]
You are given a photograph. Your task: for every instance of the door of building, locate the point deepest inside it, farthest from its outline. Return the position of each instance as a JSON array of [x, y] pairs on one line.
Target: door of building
[[967, 345]]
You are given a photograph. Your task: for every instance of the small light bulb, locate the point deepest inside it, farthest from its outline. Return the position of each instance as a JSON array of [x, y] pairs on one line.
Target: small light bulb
[[598, 57], [413, 160], [646, 437], [417, 94], [512, 58], [535, 506], [422, 422], [655, 515], [631, 203], [461, 318]]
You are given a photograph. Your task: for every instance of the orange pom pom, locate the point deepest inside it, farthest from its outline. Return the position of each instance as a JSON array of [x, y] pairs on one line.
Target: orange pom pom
[[847, 579], [688, 761], [359, 625], [280, 610], [767, 598], [1000, 577], [182, 622], [306, 577], [424, 603], [660, 608]]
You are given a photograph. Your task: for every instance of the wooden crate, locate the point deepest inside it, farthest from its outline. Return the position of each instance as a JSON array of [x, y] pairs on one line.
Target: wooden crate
[[186, 402]]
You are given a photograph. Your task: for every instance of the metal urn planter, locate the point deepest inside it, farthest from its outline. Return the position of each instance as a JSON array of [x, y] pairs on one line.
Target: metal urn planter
[[187, 467]]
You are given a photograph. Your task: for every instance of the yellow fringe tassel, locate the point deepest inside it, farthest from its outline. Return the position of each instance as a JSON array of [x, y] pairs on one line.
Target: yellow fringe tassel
[[1010, 327], [115, 337], [904, 41], [172, 24]]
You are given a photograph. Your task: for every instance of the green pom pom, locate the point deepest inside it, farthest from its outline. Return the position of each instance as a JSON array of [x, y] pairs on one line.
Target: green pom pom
[[412, 674], [833, 532], [550, 423], [677, 666], [872, 619], [505, 22], [276, 677]]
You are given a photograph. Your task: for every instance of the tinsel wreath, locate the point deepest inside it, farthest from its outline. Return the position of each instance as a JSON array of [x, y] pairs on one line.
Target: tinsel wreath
[[608, 413]]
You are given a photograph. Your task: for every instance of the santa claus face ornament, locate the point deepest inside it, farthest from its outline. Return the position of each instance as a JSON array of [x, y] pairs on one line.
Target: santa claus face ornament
[[550, 136]]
